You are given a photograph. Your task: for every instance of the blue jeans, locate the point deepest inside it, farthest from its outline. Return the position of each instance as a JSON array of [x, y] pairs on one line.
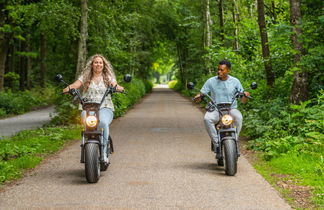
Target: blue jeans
[[106, 116]]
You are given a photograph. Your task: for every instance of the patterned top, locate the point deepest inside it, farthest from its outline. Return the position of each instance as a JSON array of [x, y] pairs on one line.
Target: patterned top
[[95, 93]]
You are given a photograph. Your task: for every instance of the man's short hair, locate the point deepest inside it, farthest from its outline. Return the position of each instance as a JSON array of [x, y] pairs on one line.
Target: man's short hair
[[225, 62]]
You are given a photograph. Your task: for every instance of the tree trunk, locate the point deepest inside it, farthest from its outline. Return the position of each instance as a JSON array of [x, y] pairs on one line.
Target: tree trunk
[[207, 33], [22, 68], [181, 63], [221, 20], [235, 20], [4, 46], [82, 52], [265, 44], [299, 90], [29, 64], [42, 60], [208, 25]]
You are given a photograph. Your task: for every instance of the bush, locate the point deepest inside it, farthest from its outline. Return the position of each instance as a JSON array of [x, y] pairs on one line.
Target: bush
[[13, 103], [278, 129]]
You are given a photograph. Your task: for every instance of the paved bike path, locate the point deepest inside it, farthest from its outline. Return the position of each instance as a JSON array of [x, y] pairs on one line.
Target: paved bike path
[[30, 120], [162, 160]]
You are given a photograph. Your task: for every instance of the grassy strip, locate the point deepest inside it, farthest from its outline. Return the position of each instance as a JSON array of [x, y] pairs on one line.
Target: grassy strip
[[291, 175], [28, 148]]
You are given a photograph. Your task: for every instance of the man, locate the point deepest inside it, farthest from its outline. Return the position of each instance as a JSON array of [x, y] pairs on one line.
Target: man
[[222, 88]]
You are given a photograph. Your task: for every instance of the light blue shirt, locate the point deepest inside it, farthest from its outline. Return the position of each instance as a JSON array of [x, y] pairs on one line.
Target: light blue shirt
[[222, 91]]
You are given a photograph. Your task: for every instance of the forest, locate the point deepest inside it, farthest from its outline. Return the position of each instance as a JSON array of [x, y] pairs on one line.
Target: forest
[[277, 43]]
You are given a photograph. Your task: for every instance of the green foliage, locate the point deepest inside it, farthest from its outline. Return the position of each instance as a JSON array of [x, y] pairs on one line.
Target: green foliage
[[134, 91], [277, 130], [13, 103], [28, 148], [12, 79], [172, 84]]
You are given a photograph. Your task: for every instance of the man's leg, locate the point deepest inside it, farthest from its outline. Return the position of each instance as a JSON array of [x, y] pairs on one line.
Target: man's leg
[[238, 120], [210, 119]]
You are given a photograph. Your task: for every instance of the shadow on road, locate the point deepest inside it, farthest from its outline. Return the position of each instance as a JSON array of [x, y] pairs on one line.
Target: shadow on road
[[211, 168], [76, 176]]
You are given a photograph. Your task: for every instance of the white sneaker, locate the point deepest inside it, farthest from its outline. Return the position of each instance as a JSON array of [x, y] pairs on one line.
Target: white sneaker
[[106, 159]]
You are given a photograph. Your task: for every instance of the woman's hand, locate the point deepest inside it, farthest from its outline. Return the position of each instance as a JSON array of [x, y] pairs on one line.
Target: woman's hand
[[76, 85], [65, 90], [118, 88]]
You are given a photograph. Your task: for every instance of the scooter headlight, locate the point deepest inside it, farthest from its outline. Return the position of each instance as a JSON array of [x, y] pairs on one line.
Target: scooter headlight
[[91, 121], [227, 119]]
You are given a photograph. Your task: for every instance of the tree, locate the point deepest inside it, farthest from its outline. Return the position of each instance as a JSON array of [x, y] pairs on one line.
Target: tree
[[265, 44], [82, 52], [299, 88], [42, 59], [221, 20], [4, 44], [207, 32], [236, 14]]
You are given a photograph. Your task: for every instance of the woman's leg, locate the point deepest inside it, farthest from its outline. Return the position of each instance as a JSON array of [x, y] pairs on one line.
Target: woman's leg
[[106, 116]]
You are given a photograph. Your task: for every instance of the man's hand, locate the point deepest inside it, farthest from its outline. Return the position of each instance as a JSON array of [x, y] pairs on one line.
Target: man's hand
[[245, 97], [197, 98]]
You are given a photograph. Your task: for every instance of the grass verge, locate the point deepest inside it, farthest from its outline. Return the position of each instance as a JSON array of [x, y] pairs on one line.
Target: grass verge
[[28, 148], [295, 176]]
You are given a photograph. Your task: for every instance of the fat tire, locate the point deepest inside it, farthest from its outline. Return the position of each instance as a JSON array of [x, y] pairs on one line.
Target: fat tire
[[92, 162], [230, 157]]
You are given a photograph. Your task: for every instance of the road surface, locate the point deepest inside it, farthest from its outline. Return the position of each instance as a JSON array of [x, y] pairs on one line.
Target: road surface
[[30, 120], [162, 160]]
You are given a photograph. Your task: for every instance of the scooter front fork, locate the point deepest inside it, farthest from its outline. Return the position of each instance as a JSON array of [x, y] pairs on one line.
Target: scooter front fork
[[82, 148]]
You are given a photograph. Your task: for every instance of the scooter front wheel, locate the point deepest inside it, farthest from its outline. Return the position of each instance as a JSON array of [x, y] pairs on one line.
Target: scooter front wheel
[[230, 157], [92, 162]]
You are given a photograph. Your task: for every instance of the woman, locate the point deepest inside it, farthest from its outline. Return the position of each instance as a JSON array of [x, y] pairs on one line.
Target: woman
[[97, 75]]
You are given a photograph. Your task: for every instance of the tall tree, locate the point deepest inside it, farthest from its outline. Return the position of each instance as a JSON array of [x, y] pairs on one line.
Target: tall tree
[[299, 91], [82, 53], [207, 32], [265, 44], [4, 45], [208, 23], [221, 19], [236, 14], [42, 59]]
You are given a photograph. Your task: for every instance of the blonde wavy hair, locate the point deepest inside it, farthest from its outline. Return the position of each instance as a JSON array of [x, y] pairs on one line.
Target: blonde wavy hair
[[108, 73]]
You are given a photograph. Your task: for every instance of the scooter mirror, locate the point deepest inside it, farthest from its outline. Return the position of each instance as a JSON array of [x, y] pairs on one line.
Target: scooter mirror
[[254, 85], [127, 78], [59, 78], [190, 85]]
